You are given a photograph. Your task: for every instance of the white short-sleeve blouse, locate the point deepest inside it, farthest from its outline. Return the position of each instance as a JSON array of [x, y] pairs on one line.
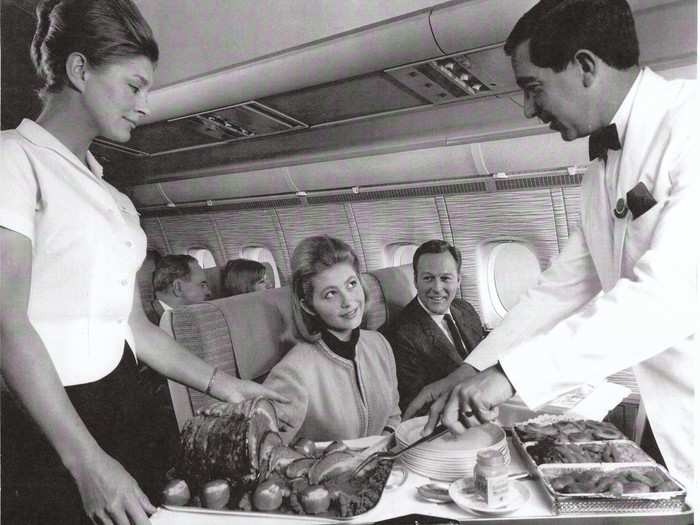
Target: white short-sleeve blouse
[[87, 245]]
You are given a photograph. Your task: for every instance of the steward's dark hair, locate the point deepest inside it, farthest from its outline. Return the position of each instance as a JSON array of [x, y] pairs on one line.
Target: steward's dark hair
[[172, 267], [102, 30], [436, 246], [240, 276], [557, 29]]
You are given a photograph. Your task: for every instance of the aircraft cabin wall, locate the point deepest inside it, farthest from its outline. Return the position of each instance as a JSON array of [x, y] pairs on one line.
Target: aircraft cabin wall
[[540, 217]]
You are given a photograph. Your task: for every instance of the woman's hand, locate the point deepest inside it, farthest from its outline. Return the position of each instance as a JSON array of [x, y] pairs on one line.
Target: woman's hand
[[109, 494], [233, 390]]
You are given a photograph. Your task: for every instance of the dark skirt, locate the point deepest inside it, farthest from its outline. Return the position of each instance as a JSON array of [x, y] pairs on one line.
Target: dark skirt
[[123, 419]]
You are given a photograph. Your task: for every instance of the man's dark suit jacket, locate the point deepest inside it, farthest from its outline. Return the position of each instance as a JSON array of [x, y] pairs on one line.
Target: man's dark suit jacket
[[423, 352]]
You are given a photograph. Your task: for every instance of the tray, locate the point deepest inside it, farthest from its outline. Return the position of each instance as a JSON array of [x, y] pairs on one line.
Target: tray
[[619, 444], [257, 517], [519, 429], [583, 503], [380, 475]]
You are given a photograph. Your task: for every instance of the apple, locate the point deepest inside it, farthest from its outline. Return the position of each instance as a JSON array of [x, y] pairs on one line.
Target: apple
[[176, 492], [215, 494]]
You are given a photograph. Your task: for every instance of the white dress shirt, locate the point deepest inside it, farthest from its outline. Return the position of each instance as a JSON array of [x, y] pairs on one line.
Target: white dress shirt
[[87, 245], [439, 320]]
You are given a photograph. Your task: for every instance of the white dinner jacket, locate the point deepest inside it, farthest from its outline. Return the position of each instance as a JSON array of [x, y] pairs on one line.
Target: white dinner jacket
[[623, 292]]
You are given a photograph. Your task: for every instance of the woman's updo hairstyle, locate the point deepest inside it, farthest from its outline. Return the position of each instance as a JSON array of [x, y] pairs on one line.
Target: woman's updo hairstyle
[[312, 256], [102, 30]]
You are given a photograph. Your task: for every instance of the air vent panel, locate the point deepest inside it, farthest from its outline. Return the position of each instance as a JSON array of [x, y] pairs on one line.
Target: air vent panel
[[241, 121], [459, 76]]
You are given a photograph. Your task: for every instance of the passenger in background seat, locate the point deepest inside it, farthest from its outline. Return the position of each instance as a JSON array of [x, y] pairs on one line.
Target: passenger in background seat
[[340, 379], [178, 280], [243, 276], [435, 332]]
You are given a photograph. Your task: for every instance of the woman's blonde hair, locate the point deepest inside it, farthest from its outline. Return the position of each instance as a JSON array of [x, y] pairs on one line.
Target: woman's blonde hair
[[312, 256]]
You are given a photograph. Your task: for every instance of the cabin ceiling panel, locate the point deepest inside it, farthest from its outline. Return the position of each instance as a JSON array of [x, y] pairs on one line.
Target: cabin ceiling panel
[[381, 223], [220, 33], [238, 229], [532, 153], [305, 221], [355, 97], [195, 230], [678, 25], [526, 215], [476, 23], [462, 122], [392, 168], [250, 184]]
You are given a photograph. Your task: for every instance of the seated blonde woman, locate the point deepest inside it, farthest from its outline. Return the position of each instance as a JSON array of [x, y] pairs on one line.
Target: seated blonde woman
[[340, 379]]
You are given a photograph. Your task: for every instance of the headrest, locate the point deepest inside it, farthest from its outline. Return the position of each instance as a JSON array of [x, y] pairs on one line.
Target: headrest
[[397, 286], [256, 322]]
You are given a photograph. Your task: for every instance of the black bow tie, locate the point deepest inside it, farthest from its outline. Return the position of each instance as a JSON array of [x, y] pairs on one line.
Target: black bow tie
[[602, 140]]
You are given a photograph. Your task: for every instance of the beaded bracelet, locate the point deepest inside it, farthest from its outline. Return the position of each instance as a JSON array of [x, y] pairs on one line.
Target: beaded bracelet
[[211, 381]]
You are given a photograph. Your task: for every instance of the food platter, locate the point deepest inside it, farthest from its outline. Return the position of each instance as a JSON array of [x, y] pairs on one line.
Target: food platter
[[232, 459], [589, 467]]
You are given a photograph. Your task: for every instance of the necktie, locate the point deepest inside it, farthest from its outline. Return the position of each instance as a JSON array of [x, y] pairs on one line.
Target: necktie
[[602, 140], [456, 338]]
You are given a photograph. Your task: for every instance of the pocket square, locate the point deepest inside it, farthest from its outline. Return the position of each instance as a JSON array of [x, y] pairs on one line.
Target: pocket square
[[640, 200]]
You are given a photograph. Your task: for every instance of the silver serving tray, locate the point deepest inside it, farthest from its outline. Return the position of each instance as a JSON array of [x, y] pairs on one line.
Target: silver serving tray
[[260, 517], [625, 442], [672, 501]]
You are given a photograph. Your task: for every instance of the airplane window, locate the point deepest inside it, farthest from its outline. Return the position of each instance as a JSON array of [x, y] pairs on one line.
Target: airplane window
[[211, 270], [506, 270], [203, 256], [399, 254], [264, 256]]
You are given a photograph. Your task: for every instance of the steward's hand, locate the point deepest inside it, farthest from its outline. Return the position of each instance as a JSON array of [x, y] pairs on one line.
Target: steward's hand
[[109, 494], [478, 396], [432, 392]]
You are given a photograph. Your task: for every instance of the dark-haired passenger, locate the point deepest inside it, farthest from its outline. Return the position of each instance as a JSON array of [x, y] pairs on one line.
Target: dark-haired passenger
[[624, 290], [436, 331], [71, 320], [178, 280], [244, 276], [339, 378]]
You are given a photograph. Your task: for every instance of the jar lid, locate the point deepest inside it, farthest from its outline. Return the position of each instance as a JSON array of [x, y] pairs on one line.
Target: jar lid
[[490, 457]]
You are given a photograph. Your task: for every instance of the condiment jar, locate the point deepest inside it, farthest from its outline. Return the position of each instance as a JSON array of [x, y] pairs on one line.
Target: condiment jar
[[491, 481]]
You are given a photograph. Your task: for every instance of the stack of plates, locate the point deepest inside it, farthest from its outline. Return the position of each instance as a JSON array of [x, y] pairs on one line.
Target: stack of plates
[[449, 457]]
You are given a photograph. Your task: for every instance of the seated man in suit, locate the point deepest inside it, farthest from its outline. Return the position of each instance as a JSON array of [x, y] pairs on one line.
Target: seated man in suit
[[177, 280], [435, 332]]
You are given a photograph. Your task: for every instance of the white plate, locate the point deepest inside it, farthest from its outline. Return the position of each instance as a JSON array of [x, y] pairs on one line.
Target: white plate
[[518, 496], [475, 438]]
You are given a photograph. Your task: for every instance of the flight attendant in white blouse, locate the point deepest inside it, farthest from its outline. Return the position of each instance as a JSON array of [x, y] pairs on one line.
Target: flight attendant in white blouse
[[624, 291], [71, 321]]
